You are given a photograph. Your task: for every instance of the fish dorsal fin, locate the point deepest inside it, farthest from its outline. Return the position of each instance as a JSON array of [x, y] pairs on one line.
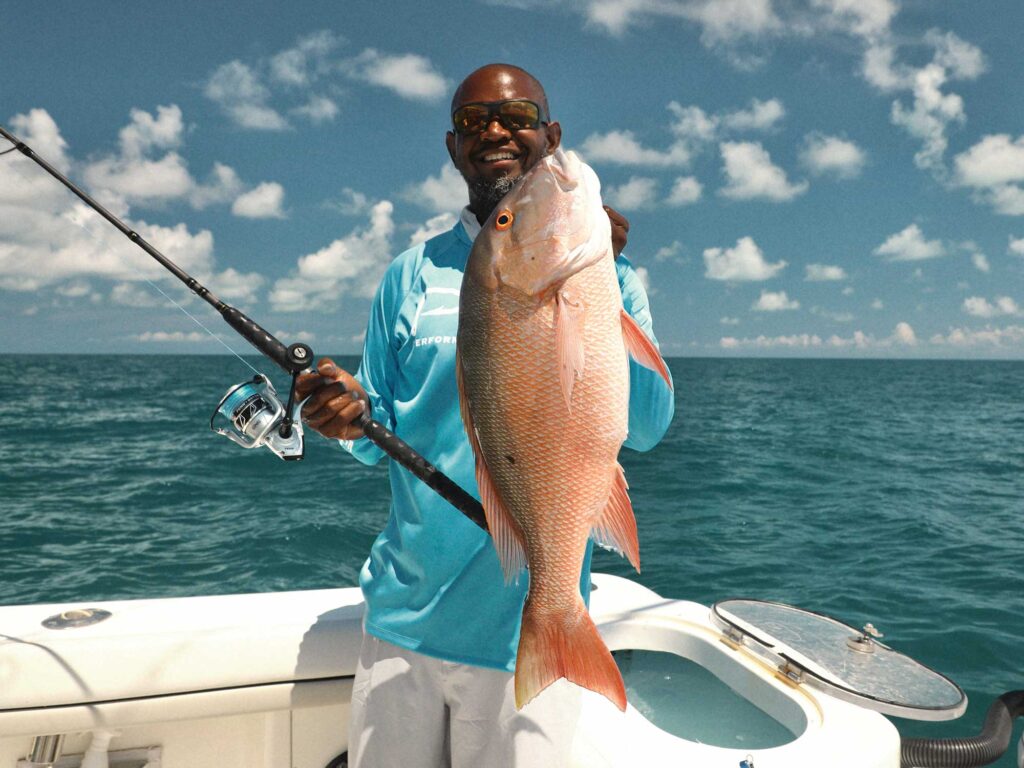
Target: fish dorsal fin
[[615, 527], [569, 316], [505, 532], [641, 348]]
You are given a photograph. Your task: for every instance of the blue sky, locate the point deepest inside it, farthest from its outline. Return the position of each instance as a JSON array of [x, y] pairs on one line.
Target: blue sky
[[826, 178]]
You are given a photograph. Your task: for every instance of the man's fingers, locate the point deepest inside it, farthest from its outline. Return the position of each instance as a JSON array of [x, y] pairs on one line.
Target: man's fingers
[[321, 398], [341, 425]]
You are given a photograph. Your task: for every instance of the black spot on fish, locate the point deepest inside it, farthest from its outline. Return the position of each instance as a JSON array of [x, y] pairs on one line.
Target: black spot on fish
[[511, 458]]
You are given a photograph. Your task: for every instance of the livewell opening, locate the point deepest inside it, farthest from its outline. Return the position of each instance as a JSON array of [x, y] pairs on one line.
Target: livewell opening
[[682, 698]]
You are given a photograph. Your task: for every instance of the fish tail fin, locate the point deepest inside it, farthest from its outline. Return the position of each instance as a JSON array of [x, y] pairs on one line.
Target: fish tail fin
[[565, 645]]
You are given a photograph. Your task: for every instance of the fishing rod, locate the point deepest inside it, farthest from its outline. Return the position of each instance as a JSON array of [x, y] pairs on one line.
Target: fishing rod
[[251, 414]]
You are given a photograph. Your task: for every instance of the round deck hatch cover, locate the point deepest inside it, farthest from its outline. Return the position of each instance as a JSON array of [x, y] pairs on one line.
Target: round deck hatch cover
[[845, 662]]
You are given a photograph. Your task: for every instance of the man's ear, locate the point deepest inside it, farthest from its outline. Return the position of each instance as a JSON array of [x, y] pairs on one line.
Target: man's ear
[[449, 141], [554, 136]]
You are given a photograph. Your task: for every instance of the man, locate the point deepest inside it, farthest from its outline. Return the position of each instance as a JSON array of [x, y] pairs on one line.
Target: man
[[441, 627]]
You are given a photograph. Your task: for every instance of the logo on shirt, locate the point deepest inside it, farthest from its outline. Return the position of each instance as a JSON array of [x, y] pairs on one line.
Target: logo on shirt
[[442, 301]]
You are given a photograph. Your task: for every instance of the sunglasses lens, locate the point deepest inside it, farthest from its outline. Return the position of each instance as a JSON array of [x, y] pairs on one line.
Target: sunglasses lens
[[513, 115], [519, 114]]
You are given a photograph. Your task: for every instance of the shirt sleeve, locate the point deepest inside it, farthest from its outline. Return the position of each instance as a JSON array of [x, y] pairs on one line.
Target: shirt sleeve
[[378, 370], [651, 401]]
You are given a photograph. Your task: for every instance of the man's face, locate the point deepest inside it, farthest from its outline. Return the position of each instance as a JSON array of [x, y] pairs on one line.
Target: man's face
[[496, 156]]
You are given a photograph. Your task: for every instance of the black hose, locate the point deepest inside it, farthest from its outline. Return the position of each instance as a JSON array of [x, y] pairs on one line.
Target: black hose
[[987, 747]]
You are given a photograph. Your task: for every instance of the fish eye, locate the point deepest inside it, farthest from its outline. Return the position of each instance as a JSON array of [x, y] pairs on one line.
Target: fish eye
[[504, 220]]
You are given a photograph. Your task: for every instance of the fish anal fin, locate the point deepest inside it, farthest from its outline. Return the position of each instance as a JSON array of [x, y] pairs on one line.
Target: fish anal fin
[[505, 532], [641, 348], [564, 645], [569, 317], [615, 527]]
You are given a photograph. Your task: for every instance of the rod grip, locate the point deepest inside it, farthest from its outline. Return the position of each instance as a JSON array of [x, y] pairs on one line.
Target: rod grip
[[255, 334]]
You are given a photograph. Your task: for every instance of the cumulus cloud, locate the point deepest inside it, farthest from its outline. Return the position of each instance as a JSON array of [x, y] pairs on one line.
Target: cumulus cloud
[[306, 61], [639, 192], [831, 155], [262, 202], [910, 245], [1016, 246], [352, 265], [319, 109], [980, 307], [52, 240], [622, 148], [409, 75], [759, 116], [432, 227], [751, 175], [980, 262], [161, 337], [744, 262], [444, 193], [902, 336], [670, 251], [686, 190], [933, 109], [817, 273], [994, 168], [1010, 336], [838, 317], [240, 93], [774, 302]]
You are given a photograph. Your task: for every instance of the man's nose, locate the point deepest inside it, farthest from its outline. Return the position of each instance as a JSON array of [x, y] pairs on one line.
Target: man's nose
[[495, 131]]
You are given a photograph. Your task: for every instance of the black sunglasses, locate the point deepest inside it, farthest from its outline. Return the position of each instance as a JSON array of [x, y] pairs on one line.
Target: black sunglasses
[[513, 114]]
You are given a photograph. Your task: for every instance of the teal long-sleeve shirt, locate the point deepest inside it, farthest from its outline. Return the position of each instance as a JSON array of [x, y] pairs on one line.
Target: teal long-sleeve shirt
[[432, 582]]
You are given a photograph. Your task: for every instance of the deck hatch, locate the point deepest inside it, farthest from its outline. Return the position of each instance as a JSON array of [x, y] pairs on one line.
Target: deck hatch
[[845, 662]]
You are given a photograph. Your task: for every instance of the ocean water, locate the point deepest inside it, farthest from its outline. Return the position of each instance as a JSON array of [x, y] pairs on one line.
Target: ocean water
[[881, 491]]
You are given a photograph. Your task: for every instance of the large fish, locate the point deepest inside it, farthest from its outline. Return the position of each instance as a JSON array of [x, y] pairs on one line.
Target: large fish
[[543, 381]]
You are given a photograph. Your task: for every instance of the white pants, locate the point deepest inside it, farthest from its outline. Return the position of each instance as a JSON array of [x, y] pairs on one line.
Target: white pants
[[415, 711]]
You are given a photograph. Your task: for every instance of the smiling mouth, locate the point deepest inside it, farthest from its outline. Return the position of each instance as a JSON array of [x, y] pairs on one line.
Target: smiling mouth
[[497, 157]]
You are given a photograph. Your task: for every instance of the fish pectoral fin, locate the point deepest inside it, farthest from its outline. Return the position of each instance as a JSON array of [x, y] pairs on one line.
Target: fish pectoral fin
[[641, 348], [615, 528], [569, 316], [505, 532], [564, 645]]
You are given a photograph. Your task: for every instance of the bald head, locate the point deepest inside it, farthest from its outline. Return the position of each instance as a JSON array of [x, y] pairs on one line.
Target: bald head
[[483, 83]]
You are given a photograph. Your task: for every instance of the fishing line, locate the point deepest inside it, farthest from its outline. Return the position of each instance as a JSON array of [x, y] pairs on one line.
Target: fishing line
[[138, 271]]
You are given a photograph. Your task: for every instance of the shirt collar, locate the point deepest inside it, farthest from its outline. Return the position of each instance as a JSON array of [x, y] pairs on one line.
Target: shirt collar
[[469, 223]]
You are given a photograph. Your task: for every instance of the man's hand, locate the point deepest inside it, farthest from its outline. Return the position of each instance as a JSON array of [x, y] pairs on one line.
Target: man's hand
[[335, 401], [620, 228]]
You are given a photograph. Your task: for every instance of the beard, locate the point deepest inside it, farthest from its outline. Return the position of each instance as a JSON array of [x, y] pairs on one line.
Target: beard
[[490, 193]]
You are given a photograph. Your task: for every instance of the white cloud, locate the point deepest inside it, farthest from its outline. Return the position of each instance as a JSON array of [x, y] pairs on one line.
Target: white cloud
[[759, 116], [980, 262], [723, 22], [351, 265], [866, 18], [444, 193], [692, 124], [319, 109], [671, 251], [645, 279], [686, 190], [774, 302], [1008, 336], [306, 61], [140, 180], [729, 320], [817, 273], [744, 262], [750, 174], [838, 317], [877, 304], [146, 132], [304, 336], [910, 245], [262, 202], [831, 155], [980, 307], [172, 336], [794, 341], [221, 186], [432, 227], [904, 334], [639, 192], [409, 75], [241, 94], [994, 168], [1016, 246], [134, 295], [622, 148], [933, 109]]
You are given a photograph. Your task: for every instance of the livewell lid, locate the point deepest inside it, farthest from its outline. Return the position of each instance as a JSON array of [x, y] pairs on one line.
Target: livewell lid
[[845, 662]]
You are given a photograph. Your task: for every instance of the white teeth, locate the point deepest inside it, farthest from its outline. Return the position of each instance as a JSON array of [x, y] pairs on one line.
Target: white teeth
[[498, 156]]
